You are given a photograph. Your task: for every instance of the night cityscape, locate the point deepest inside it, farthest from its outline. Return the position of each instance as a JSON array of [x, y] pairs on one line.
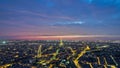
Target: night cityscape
[[59, 54], [59, 33]]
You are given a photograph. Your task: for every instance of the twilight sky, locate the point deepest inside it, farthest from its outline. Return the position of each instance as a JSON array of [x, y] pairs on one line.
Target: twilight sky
[[46, 19]]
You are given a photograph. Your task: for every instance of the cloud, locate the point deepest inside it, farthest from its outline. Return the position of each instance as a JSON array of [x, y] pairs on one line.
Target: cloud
[[69, 23], [46, 15], [78, 22]]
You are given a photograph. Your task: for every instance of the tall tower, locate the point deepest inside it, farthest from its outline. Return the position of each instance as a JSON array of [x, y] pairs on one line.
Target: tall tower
[[61, 43]]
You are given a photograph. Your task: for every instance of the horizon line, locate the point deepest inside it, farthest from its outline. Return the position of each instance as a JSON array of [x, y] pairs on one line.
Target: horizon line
[[65, 36]]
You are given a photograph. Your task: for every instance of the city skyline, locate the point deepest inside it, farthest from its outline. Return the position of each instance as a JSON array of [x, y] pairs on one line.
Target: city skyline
[[51, 19]]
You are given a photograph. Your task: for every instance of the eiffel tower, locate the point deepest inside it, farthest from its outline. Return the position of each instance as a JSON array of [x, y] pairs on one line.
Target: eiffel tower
[[61, 43]]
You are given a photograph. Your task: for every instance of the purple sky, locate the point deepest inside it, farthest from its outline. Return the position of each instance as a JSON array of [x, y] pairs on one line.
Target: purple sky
[[38, 19]]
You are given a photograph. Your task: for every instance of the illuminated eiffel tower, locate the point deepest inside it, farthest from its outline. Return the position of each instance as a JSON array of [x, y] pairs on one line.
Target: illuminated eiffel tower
[[61, 43]]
